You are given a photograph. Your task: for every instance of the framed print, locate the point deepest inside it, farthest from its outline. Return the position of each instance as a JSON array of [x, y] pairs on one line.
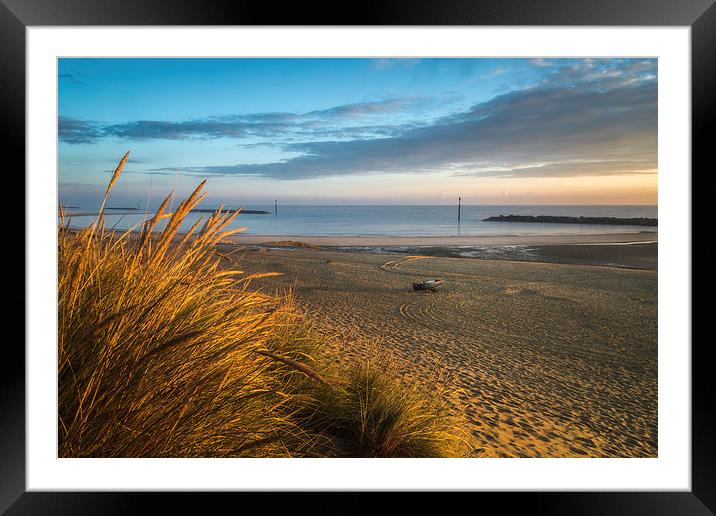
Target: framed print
[[413, 250]]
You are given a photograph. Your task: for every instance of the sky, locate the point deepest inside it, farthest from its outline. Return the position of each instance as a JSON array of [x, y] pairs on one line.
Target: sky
[[360, 131]]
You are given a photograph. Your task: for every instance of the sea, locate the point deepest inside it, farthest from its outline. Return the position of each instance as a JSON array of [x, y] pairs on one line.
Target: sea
[[399, 220]]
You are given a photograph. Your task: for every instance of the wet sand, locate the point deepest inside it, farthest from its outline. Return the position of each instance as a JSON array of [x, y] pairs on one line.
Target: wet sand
[[611, 238], [551, 360], [635, 255]]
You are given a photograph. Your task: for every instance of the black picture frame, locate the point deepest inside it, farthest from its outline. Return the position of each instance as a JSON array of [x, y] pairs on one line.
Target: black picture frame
[[16, 15]]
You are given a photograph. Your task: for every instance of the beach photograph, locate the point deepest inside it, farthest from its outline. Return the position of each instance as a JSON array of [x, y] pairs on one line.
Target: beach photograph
[[357, 257]]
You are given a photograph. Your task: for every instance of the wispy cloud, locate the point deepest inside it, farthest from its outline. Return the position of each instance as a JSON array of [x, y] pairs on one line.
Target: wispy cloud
[[540, 62], [495, 72], [343, 121], [568, 168], [388, 63], [600, 73], [74, 78], [76, 131], [605, 126]]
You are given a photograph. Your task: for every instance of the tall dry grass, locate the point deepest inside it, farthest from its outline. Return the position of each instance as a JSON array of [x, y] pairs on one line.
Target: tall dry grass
[[163, 354], [370, 412]]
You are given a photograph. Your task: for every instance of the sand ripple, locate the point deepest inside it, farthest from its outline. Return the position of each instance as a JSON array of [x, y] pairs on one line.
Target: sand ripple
[[550, 360]]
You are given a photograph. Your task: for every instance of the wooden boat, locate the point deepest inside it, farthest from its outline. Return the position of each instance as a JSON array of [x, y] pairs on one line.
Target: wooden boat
[[427, 285]]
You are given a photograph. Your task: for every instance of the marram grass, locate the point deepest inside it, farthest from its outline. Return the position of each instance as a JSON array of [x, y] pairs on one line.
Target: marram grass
[[164, 354]]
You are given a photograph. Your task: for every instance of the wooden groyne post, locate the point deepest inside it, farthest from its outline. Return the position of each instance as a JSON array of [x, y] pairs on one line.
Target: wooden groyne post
[[459, 205], [275, 207]]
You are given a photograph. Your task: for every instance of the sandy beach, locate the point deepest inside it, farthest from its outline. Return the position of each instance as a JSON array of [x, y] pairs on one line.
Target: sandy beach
[[551, 359]]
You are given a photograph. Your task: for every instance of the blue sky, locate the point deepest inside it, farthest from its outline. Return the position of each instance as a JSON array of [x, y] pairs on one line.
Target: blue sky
[[495, 131]]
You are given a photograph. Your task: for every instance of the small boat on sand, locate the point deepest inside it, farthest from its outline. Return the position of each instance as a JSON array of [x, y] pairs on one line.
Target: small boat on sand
[[427, 285]]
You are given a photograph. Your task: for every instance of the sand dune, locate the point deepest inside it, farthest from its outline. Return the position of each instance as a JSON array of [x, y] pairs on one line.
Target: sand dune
[[550, 360]]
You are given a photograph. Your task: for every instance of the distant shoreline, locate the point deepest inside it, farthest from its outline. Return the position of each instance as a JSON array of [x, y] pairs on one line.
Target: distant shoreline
[[555, 219], [132, 211], [229, 210]]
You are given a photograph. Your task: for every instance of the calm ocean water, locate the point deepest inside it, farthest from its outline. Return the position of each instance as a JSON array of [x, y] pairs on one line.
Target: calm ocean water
[[407, 220]]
